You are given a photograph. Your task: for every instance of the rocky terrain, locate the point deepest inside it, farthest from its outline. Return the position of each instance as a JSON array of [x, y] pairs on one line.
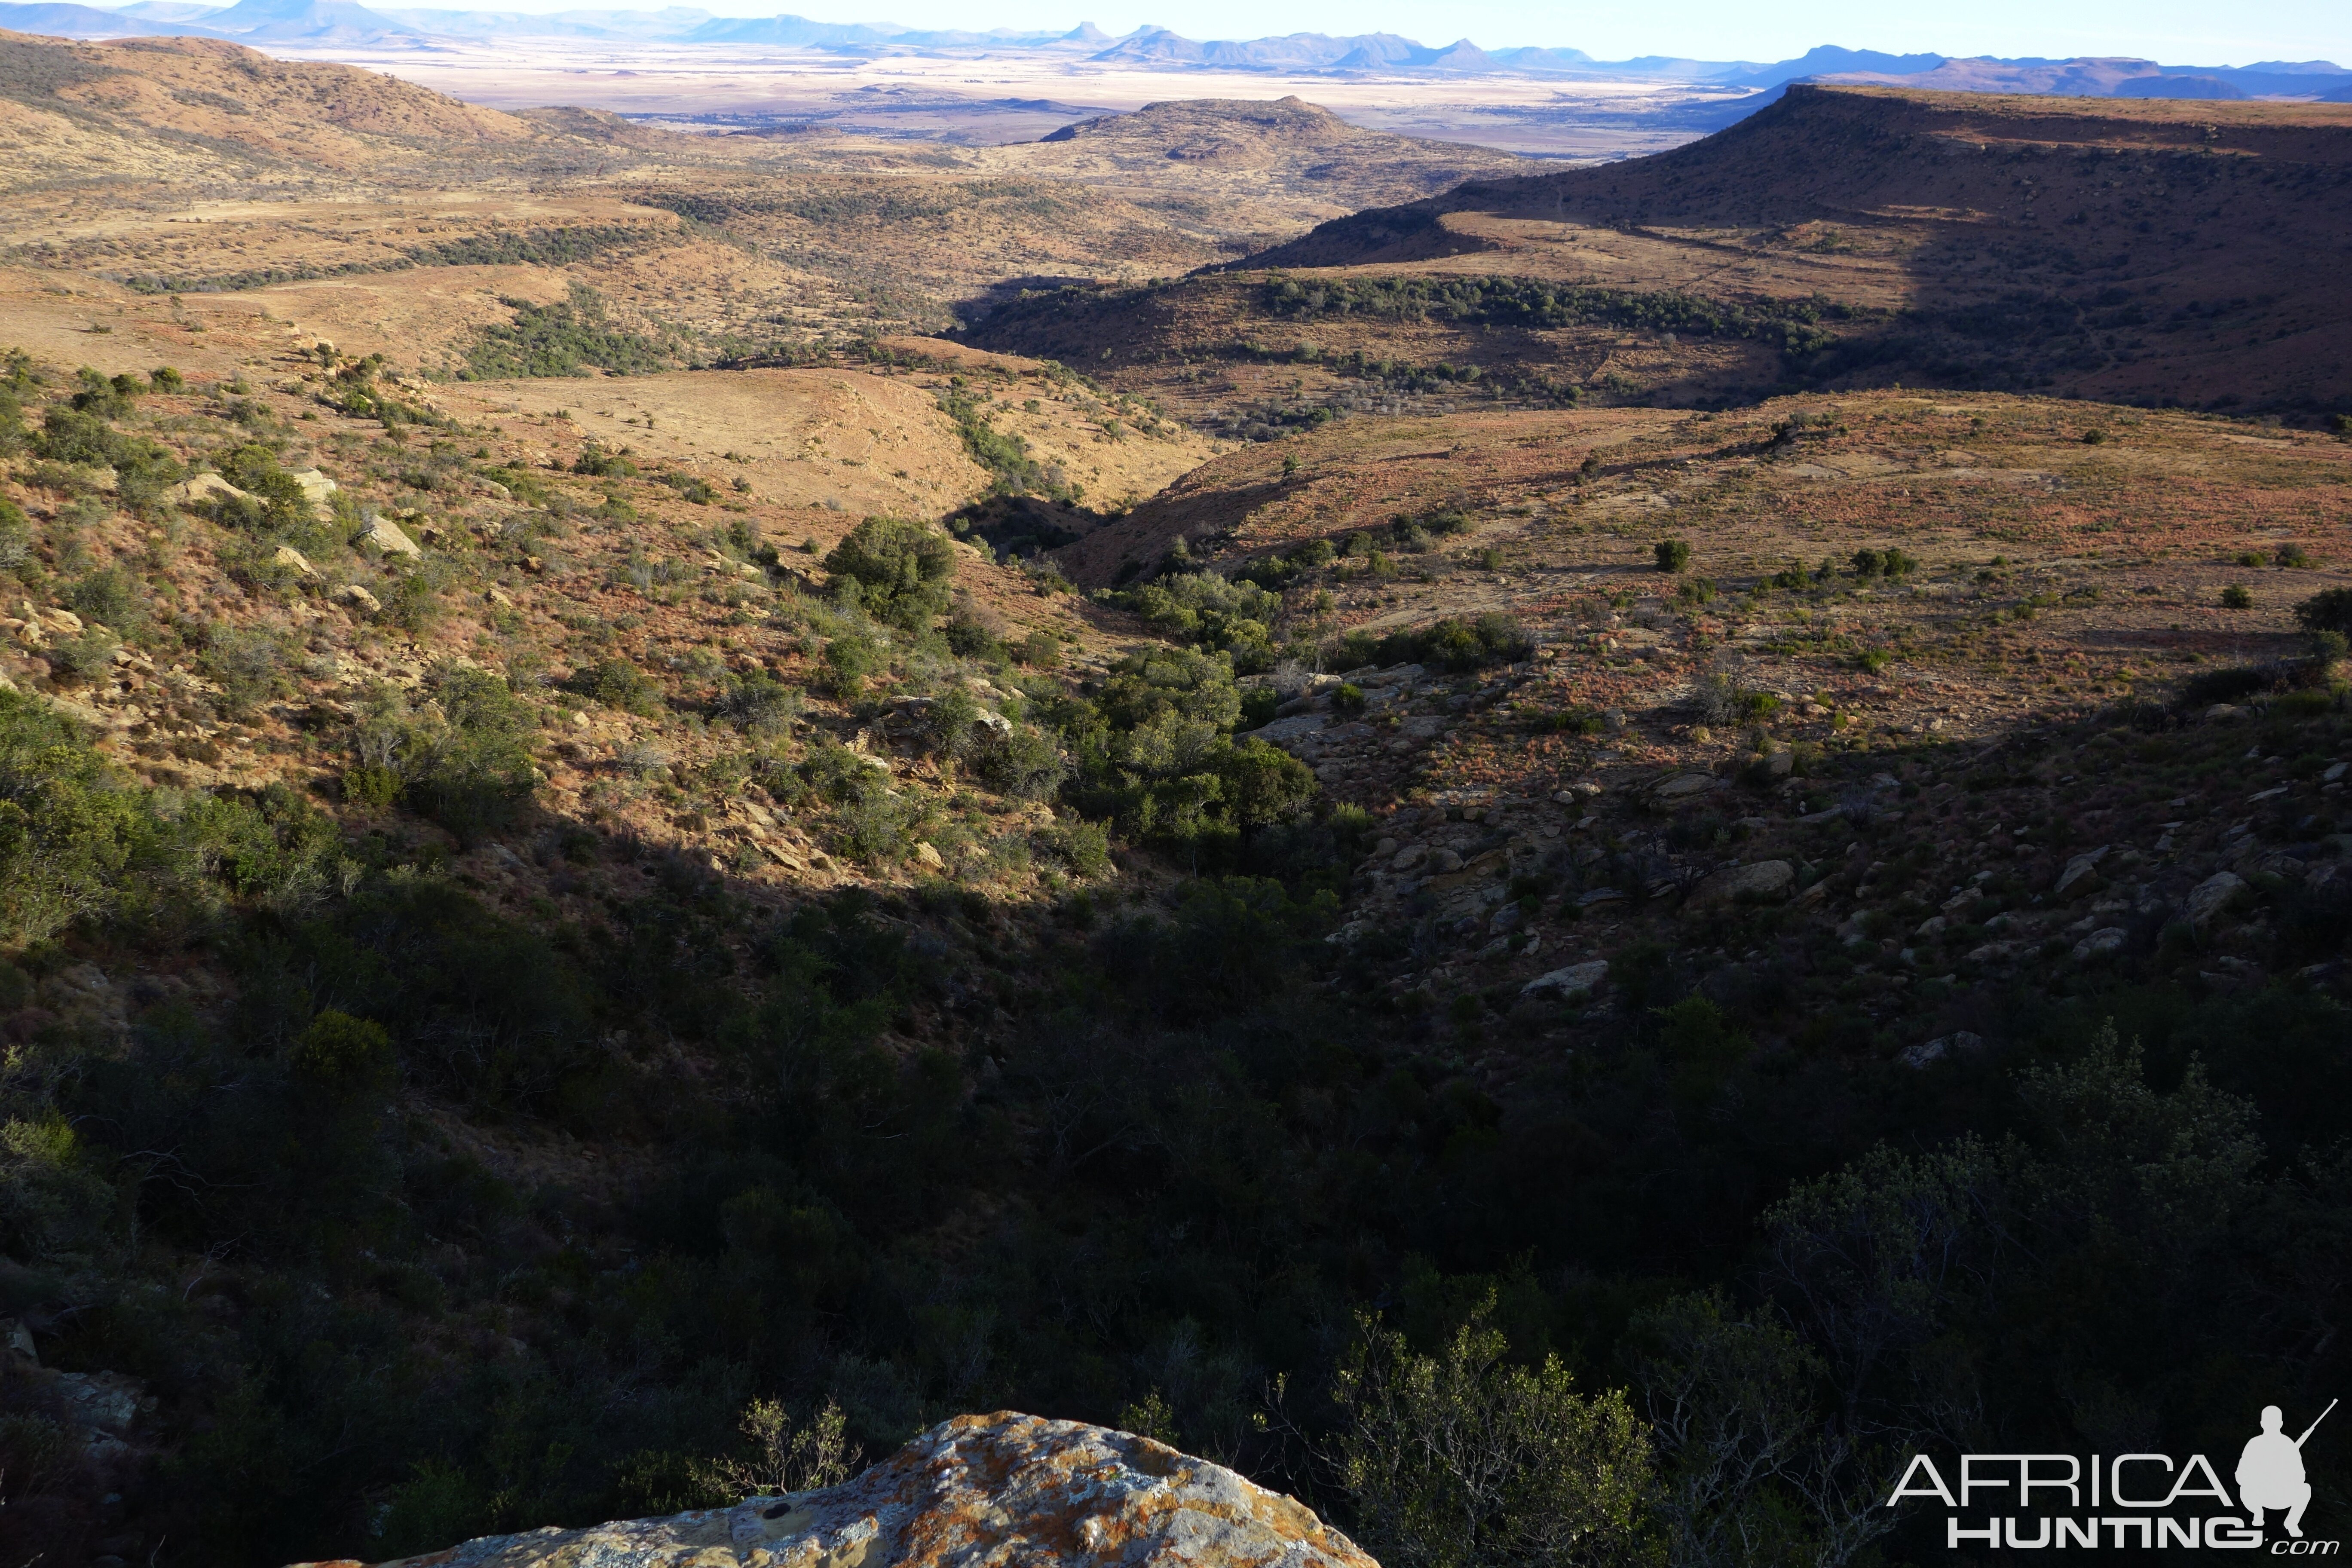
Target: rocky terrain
[[605, 910], [1002, 1489]]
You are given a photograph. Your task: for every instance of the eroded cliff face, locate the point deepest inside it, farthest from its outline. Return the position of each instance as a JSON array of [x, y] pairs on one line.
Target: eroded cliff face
[[978, 1491]]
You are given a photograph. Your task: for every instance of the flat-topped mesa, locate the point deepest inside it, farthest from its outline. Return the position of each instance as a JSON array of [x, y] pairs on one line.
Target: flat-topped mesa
[[977, 1491]]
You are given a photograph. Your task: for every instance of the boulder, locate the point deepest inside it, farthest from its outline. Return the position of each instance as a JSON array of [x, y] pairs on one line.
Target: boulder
[[358, 598], [2081, 874], [1686, 786], [1289, 729], [383, 535], [204, 487], [2210, 897], [287, 555], [2099, 944], [1576, 980], [1762, 879], [1960, 1043], [2223, 713], [1005, 1491], [316, 488]]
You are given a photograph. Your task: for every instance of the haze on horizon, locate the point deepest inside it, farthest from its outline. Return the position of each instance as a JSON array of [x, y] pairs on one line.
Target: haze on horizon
[[2172, 31]]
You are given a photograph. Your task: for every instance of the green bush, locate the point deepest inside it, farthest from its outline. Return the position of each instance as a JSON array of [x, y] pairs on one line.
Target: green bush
[[1465, 1458], [1672, 554], [1890, 561], [113, 597], [2329, 610], [969, 636], [757, 703], [1081, 847], [558, 339], [617, 684], [902, 569], [848, 660], [1207, 610], [247, 662], [1039, 650], [344, 1057], [2237, 597], [466, 762], [1023, 763], [598, 463], [16, 536], [1348, 699]]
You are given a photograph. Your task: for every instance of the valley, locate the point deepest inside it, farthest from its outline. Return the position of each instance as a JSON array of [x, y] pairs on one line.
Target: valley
[[668, 788]]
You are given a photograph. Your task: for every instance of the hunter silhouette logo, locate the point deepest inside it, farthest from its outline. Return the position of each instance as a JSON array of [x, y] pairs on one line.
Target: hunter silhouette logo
[[2157, 1501], [2270, 1472]]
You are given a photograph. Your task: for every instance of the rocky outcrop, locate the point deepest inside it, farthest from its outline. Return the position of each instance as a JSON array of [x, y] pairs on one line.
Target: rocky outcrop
[[1005, 1491]]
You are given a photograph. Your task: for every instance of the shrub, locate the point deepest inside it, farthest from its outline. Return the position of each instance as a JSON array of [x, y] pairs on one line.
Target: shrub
[[2237, 597], [1023, 762], [1459, 645], [1348, 699], [344, 1057], [848, 660], [1672, 554], [16, 536], [1204, 609], [2329, 610], [902, 568], [1465, 1459], [969, 636], [113, 597], [247, 663], [1084, 847], [616, 683], [1891, 562], [2292, 556], [474, 773], [1039, 650], [758, 703], [2224, 685], [598, 463], [557, 340]]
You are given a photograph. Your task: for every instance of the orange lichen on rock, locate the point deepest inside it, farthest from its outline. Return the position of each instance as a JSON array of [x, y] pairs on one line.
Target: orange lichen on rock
[[977, 1491]]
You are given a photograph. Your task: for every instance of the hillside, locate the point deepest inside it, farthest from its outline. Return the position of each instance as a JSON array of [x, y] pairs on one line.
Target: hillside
[[624, 884], [220, 170], [2152, 252]]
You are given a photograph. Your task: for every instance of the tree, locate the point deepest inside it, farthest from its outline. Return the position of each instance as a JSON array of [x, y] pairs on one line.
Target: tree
[[901, 568], [2329, 610], [1263, 784], [1465, 1460]]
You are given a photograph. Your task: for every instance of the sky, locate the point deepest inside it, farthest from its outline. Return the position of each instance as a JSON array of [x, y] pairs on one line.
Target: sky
[[2189, 32]]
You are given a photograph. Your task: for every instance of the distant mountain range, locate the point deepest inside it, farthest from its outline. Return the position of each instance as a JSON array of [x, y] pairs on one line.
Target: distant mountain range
[[335, 22]]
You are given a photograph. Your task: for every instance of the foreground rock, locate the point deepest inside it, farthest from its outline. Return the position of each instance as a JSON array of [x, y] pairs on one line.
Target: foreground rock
[[978, 1491]]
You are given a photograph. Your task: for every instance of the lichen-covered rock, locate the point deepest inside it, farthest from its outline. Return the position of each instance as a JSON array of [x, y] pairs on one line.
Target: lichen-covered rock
[[1761, 879], [1005, 1491]]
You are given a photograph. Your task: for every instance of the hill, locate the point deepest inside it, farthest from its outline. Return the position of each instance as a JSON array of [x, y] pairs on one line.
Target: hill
[[2146, 251]]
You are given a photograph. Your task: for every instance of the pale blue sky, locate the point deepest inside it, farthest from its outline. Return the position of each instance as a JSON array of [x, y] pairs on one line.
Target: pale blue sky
[[2179, 31]]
